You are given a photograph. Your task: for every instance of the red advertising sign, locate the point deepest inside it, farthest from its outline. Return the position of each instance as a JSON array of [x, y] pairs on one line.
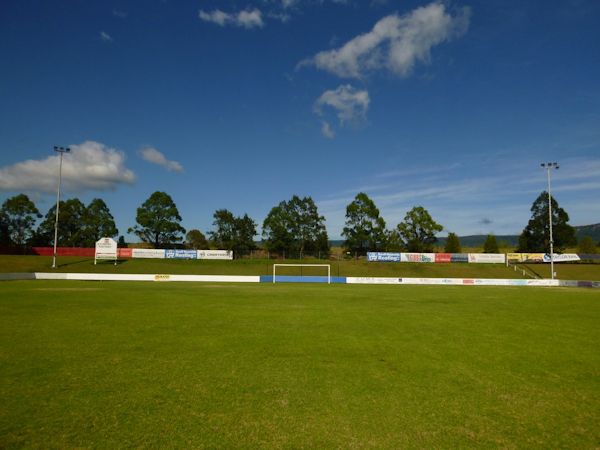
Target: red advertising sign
[[443, 257]]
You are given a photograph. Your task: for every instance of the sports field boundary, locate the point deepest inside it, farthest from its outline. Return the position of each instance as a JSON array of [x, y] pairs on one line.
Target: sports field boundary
[[296, 279]]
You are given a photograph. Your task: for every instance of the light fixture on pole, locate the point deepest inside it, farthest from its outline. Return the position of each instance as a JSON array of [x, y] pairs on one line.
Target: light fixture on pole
[[61, 151], [549, 166]]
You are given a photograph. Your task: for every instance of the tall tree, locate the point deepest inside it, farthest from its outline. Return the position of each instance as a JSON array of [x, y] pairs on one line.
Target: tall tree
[[536, 235], [98, 222], [490, 245], [18, 216], [418, 230], [195, 240], [586, 245], [452, 244], [158, 221], [365, 228], [233, 233], [70, 225], [296, 226]]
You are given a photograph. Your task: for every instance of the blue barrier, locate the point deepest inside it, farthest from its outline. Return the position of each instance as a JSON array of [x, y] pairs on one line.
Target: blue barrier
[[299, 279]]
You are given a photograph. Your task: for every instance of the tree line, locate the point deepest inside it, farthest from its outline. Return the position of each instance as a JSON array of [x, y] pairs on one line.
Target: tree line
[[293, 227]]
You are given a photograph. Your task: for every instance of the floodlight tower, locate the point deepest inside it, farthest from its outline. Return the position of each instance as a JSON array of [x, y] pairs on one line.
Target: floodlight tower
[[549, 166], [61, 151]]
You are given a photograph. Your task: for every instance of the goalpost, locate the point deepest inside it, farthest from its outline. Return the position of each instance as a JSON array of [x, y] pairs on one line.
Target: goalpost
[[303, 265]]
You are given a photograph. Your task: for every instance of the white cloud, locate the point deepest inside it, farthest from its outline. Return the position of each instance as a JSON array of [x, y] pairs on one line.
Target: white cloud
[[326, 130], [120, 14], [246, 18], [105, 37], [89, 166], [350, 104], [396, 43], [153, 156]]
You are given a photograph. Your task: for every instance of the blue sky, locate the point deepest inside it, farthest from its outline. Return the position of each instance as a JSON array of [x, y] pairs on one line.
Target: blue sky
[[450, 105]]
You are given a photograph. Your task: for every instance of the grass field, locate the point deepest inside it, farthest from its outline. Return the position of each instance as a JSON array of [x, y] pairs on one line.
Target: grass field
[[90, 364]]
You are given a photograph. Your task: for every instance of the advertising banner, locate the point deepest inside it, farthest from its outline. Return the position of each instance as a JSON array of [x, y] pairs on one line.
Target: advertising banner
[[487, 258], [565, 257], [124, 252], [383, 257], [417, 257], [443, 257], [459, 257], [106, 248], [525, 257], [214, 254], [147, 253], [181, 254]]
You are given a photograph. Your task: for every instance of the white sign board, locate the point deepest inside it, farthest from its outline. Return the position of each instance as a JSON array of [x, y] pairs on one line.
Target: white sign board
[[106, 248], [151, 253], [215, 254], [487, 258]]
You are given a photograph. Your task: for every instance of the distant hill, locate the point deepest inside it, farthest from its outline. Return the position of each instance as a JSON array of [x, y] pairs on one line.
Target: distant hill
[[477, 240], [592, 231]]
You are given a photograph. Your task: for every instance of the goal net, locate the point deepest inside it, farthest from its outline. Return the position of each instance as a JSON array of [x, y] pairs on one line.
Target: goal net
[[301, 267]]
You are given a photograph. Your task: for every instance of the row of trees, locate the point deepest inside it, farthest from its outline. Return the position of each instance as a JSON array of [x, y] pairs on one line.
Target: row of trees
[[292, 227]]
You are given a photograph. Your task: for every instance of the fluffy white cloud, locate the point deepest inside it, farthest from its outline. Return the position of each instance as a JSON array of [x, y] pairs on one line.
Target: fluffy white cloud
[[326, 130], [105, 37], [153, 156], [350, 104], [90, 166], [395, 43], [246, 18]]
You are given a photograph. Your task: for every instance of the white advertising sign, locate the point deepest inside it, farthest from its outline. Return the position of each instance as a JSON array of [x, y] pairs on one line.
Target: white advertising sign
[[487, 258], [147, 253], [106, 248], [215, 254], [564, 257], [417, 257]]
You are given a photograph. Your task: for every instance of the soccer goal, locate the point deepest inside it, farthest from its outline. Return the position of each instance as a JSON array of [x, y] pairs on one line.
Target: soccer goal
[[275, 266]]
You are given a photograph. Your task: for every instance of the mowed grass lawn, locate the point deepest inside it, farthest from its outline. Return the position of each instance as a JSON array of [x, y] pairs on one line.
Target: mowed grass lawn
[[90, 364]]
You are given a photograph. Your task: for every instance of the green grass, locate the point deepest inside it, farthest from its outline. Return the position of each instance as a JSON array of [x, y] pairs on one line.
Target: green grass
[[568, 271], [91, 364], [11, 263]]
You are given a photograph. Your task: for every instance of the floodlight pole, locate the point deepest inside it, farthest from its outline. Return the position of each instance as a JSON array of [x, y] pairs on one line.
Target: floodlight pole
[[61, 151], [549, 166]]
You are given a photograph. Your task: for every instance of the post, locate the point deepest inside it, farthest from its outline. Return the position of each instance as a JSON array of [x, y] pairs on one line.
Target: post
[[548, 167], [60, 150]]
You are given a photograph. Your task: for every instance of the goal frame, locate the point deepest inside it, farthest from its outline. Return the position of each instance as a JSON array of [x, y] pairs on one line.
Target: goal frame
[[303, 265]]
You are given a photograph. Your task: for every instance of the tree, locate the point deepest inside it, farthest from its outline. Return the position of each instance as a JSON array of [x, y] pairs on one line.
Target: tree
[[490, 245], [452, 244], [196, 240], [98, 222], [587, 246], [536, 235], [71, 230], [158, 221], [364, 229], [18, 216], [296, 226], [418, 230], [233, 233]]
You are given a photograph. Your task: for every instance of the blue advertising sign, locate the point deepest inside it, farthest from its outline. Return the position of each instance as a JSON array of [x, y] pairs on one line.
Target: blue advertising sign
[[181, 254], [383, 257]]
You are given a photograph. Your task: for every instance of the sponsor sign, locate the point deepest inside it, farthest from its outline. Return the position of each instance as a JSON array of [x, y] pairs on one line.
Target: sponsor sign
[[487, 258], [214, 254], [443, 257], [525, 257], [565, 257], [181, 254], [147, 253], [124, 252], [106, 248], [459, 257], [417, 257], [383, 257], [160, 277]]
